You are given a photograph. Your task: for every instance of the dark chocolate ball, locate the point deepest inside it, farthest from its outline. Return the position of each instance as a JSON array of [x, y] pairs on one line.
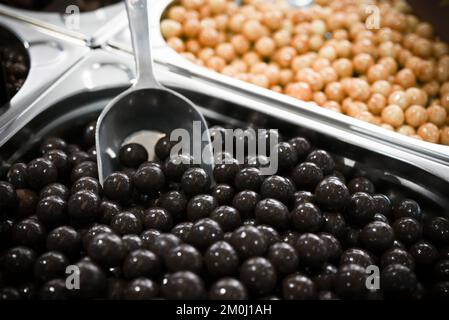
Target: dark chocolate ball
[[298, 287], [407, 208], [441, 270], [248, 179], [17, 175], [302, 147], [8, 196], [303, 196], [148, 237], [84, 169], [227, 217], [162, 243], [291, 237], [356, 256], [221, 259], [440, 291], [277, 187], [424, 253], [18, 261], [283, 257], [149, 179], [287, 155], [163, 148], [228, 289], [158, 218], [126, 223], [118, 187], [307, 175], [195, 181], [306, 217], [52, 143], [258, 275], [361, 208], [334, 223], [41, 172], [332, 194], [361, 184], [223, 193], [61, 161], [141, 289], [27, 200], [89, 134], [184, 258], [226, 170], [176, 166], [54, 290], [272, 212], [397, 279], [204, 233], [382, 204], [325, 278], [183, 285], [174, 202], [407, 230], [51, 265], [377, 236], [78, 157], [92, 281], [132, 155], [88, 184], [182, 230], [333, 246], [55, 189], [245, 202], [83, 207], [106, 249], [200, 206], [92, 232], [397, 256], [437, 230], [30, 233], [132, 242], [311, 249], [107, 211], [323, 160], [350, 281], [270, 234], [141, 263], [65, 240], [52, 211], [249, 242]]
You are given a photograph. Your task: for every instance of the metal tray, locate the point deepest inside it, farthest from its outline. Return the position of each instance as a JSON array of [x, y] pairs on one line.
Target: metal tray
[[50, 56], [95, 27], [165, 55], [106, 73]]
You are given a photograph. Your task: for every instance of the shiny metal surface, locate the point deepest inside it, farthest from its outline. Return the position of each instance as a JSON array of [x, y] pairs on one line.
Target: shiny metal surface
[[106, 73], [147, 107], [50, 56], [94, 27], [338, 122]]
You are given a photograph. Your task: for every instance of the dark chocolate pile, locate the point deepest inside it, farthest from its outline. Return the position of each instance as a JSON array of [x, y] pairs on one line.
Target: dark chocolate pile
[[58, 6], [157, 230], [14, 69]]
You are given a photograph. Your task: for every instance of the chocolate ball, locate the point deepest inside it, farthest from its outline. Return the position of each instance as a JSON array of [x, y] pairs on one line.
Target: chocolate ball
[[303, 196], [158, 218], [377, 236], [397, 279], [302, 147], [356, 256], [249, 242], [30, 233], [223, 193], [200, 206], [323, 160], [334, 223], [227, 217], [325, 278], [84, 169], [149, 179], [163, 148], [148, 237], [17, 175], [245, 202], [52, 211], [350, 281], [183, 285], [18, 262], [107, 211], [83, 207], [118, 187], [248, 179], [397, 256], [204, 233], [333, 246], [437, 230], [65, 240], [132, 155], [226, 170], [55, 189], [307, 175], [407, 230], [287, 155], [272, 212], [277, 187], [8, 196], [221, 259], [92, 232], [361, 208], [88, 184], [382, 204], [184, 257], [176, 166], [424, 253], [141, 289], [283, 257], [270, 234], [174, 202], [298, 287], [407, 208], [41, 172], [162, 243], [92, 281], [51, 265], [311, 250], [141, 263], [54, 290], [89, 134], [106, 249], [126, 223], [228, 289], [61, 161], [52, 143], [258, 275], [332, 194], [182, 230], [306, 217], [361, 184]]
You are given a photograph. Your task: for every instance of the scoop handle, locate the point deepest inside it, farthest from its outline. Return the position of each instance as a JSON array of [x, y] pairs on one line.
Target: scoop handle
[[139, 22]]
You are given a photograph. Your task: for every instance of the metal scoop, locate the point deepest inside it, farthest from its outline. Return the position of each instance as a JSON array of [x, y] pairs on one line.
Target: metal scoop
[[147, 110]]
